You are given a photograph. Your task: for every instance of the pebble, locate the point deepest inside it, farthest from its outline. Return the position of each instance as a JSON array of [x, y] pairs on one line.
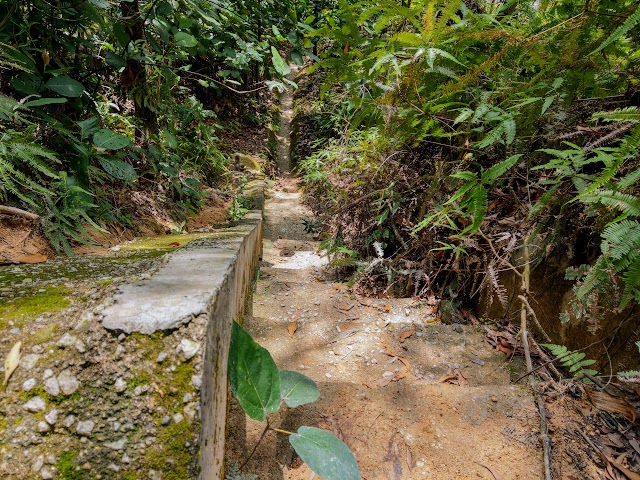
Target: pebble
[[196, 381], [29, 361], [51, 459], [166, 420], [69, 420], [68, 382], [388, 374], [117, 445], [43, 427], [178, 417], [85, 427], [188, 348], [35, 404], [52, 387], [48, 373], [140, 389], [38, 464], [46, 473], [162, 356], [113, 467], [190, 412], [29, 384], [67, 340], [120, 385], [52, 416], [328, 375], [80, 346], [14, 331]]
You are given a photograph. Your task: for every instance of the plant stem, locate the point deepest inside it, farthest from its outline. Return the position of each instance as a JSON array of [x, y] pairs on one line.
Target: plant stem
[[281, 431]]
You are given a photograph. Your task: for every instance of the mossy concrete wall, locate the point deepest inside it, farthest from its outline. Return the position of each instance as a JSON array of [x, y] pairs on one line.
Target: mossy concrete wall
[[229, 304]]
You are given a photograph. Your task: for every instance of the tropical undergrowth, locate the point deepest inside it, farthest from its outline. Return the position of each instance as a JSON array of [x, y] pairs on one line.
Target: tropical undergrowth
[[464, 129], [103, 99]]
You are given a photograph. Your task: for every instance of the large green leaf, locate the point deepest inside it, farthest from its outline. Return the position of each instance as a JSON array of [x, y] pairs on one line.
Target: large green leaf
[[325, 454], [184, 39], [65, 86], [253, 375], [110, 140], [278, 63], [118, 169], [297, 389], [44, 101]]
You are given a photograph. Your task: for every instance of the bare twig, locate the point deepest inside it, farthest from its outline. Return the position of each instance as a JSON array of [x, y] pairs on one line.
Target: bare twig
[[19, 212], [532, 314]]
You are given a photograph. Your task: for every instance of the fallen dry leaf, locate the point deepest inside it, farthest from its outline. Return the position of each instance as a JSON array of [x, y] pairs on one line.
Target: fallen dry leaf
[[611, 404], [406, 334], [492, 470], [339, 286], [381, 382], [292, 327], [26, 258], [344, 305], [454, 377], [11, 362], [173, 244], [387, 307]]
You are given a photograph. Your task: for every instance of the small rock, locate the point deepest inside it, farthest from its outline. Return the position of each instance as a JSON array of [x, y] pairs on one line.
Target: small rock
[[494, 399], [51, 459], [68, 382], [113, 467], [37, 464], [43, 427], [121, 337], [29, 384], [188, 348], [14, 331], [388, 374], [140, 389], [116, 426], [126, 458], [52, 387], [162, 356], [29, 361], [117, 445], [46, 473], [69, 420], [120, 385], [85, 427], [48, 373], [187, 397], [196, 381], [166, 420], [52, 416], [119, 351], [67, 340], [457, 328], [35, 404], [478, 361], [80, 346], [328, 375], [190, 412], [178, 417]]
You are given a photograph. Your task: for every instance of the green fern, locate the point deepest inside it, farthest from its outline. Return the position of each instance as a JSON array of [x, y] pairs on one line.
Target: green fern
[[626, 27], [573, 361]]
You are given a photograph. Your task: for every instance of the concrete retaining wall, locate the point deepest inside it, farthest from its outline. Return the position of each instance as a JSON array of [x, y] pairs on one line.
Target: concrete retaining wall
[[230, 302]]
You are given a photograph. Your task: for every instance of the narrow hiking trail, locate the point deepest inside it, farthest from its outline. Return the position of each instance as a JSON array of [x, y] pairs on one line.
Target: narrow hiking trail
[[413, 399]]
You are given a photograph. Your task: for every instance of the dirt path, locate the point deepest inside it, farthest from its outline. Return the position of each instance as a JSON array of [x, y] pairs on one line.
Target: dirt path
[[411, 424], [284, 133], [435, 405]]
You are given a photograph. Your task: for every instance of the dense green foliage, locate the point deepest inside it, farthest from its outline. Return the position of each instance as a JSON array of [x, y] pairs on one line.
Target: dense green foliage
[[97, 96], [454, 130]]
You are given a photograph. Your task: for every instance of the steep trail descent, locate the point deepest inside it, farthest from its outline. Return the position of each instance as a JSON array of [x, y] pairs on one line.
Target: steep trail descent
[[435, 405]]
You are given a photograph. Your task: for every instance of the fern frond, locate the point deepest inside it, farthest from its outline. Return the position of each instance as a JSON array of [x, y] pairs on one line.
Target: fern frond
[[610, 137], [622, 30], [629, 204], [627, 114]]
